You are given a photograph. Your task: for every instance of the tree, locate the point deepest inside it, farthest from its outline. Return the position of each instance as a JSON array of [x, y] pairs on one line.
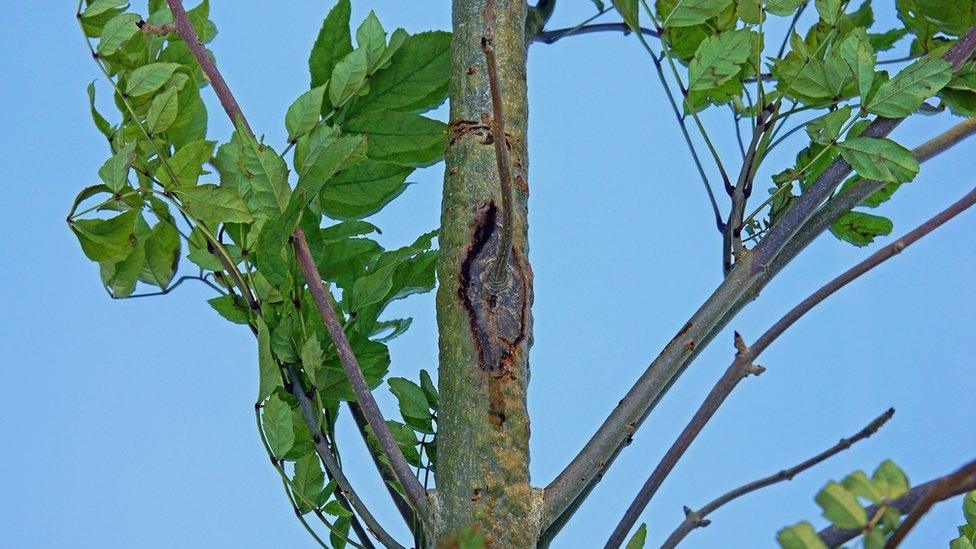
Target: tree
[[258, 239]]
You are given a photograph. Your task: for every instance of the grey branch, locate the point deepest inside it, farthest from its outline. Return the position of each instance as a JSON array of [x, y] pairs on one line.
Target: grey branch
[[696, 519]]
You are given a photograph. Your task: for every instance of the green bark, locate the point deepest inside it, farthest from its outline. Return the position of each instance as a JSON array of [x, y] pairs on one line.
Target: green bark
[[485, 333]]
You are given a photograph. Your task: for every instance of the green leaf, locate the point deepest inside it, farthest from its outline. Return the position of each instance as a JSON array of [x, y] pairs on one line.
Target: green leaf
[[630, 12], [783, 7], [720, 58], [684, 13], [101, 123], [856, 52], [332, 44], [115, 171], [335, 509], [308, 481], [829, 10], [363, 189], [186, 165], [311, 355], [639, 538], [214, 204], [348, 77], [860, 485], [99, 7], [891, 479], [371, 38], [162, 111], [303, 114], [107, 240], [149, 78], [841, 508], [325, 158], [969, 508], [402, 138], [372, 288], [412, 399], [874, 539], [232, 308], [162, 254], [800, 536], [879, 159], [430, 390], [861, 228], [269, 375], [278, 427], [121, 277], [905, 92], [117, 32], [960, 543], [416, 79], [256, 172], [826, 129]]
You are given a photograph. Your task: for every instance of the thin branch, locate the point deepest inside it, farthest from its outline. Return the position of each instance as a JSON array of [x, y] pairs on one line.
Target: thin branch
[[732, 237], [955, 484], [189, 36], [946, 487], [384, 469], [696, 519], [414, 490], [743, 365], [552, 36], [172, 287], [499, 271], [293, 385], [410, 484]]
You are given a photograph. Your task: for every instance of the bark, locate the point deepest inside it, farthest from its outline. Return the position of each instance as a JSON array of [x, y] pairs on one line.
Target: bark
[[485, 331]]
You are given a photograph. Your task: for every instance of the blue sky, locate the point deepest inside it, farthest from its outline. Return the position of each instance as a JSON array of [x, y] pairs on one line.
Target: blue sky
[[129, 423]]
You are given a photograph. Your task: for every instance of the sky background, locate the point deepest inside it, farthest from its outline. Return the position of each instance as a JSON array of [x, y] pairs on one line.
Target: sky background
[[129, 423]]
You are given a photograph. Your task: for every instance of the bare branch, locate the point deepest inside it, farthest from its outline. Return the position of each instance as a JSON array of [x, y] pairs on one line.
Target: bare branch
[[552, 36], [943, 489], [743, 365], [955, 484], [696, 519], [747, 278], [414, 490]]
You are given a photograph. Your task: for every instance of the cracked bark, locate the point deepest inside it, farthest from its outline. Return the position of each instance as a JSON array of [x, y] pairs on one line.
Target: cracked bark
[[485, 332]]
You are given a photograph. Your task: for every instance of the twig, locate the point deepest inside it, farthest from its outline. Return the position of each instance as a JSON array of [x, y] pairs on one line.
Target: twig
[[499, 271], [743, 365], [412, 487], [834, 537], [172, 287], [732, 240], [410, 484], [552, 36], [696, 519], [943, 489], [189, 36], [293, 385]]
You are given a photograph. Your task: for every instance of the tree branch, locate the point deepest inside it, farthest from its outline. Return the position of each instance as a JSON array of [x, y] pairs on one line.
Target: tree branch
[[553, 36], [414, 490], [946, 487], [743, 365], [696, 519], [294, 386], [410, 484], [747, 278]]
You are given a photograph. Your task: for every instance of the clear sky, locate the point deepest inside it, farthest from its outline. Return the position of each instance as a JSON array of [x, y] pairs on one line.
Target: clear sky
[[129, 423]]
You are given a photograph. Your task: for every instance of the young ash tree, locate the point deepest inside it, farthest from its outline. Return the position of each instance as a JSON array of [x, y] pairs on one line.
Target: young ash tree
[[279, 232]]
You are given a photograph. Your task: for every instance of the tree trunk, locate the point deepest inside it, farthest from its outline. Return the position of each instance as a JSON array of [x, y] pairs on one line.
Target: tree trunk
[[485, 332]]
